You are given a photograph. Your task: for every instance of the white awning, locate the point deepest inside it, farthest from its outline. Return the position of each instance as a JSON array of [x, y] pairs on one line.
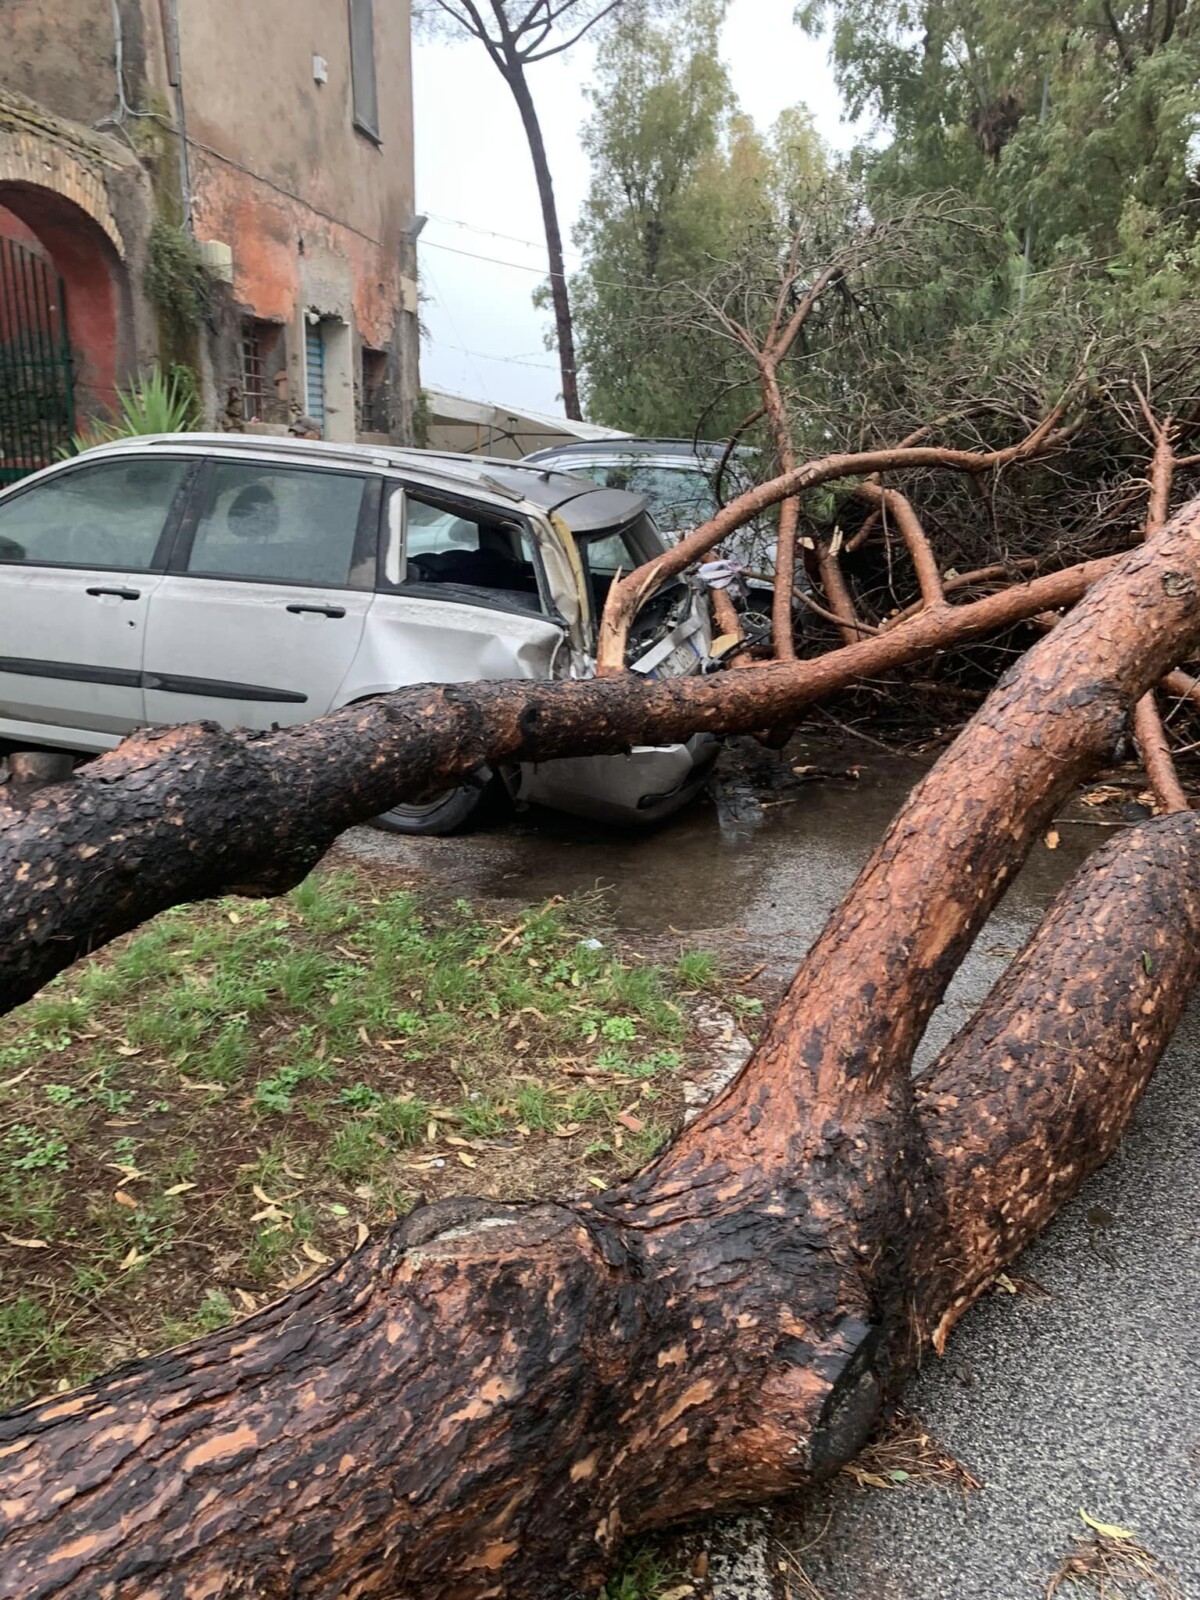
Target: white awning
[[477, 427]]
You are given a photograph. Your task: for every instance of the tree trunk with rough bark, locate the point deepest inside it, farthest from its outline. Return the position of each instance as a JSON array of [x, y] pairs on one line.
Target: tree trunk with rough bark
[[485, 1402], [188, 812], [564, 331]]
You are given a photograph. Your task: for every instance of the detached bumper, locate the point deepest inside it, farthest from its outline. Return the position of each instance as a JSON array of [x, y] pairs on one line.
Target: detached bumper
[[649, 783]]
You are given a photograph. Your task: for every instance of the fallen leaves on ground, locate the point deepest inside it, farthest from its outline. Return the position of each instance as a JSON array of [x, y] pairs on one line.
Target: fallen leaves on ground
[[904, 1453], [1109, 1563]]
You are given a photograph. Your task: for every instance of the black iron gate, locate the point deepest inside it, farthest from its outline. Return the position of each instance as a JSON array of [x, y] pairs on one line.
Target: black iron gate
[[37, 403]]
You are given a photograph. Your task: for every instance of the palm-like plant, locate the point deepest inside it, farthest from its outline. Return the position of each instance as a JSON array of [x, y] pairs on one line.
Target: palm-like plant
[[157, 402]]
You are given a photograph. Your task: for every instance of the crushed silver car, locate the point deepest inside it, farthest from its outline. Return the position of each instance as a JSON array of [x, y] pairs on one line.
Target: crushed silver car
[[261, 581]]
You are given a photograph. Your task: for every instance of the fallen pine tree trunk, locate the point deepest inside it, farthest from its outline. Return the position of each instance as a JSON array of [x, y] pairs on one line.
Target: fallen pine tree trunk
[[485, 1402], [184, 813]]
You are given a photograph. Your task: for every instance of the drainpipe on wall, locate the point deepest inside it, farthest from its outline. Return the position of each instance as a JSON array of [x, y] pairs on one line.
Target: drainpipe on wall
[[170, 14]]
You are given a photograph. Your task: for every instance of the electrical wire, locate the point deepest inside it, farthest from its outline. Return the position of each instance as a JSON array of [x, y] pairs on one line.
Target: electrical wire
[[450, 316], [509, 361], [538, 272], [491, 233]]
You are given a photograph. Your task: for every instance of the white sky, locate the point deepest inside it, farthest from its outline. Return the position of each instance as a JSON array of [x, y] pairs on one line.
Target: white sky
[[475, 183]]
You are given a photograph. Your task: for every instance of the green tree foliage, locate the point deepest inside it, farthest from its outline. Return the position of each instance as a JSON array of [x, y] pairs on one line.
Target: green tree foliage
[[1022, 224], [1077, 120], [1073, 126], [681, 180]]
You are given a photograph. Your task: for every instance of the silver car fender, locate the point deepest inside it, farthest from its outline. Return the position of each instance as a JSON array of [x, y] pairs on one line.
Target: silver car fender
[[410, 639]]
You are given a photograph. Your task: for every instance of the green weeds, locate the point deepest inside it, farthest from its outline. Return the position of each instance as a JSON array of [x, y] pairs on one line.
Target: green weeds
[[201, 1115]]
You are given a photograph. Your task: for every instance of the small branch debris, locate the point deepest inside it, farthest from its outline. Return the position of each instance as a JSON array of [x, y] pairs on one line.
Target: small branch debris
[[1112, 1566], [904, 1454]]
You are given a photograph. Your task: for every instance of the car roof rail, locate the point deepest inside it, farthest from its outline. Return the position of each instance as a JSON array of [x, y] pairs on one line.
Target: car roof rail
[[466, 474]]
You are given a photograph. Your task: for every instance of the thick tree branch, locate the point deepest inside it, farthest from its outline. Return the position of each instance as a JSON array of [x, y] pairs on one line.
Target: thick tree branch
[[900, 509], [194, 811], [1148, 729], [1066, 1042], [630, 593], [1155, 752], [488, 1400]]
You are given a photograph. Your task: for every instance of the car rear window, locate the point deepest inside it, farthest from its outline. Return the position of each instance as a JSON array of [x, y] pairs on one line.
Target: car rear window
[[284, 525], [680, 497]]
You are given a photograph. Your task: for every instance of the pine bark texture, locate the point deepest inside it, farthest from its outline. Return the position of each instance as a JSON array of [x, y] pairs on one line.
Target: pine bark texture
[[188, 812], [485, 1402]]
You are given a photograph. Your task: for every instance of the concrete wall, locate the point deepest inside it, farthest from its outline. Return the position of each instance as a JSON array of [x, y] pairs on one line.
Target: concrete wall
[[62, 53]]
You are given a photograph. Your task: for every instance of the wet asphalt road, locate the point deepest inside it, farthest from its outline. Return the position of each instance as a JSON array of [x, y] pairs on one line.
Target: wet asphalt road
[[1089, 1398]]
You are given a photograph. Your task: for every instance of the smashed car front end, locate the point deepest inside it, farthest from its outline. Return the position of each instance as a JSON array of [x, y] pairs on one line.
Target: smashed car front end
[[670, 639]]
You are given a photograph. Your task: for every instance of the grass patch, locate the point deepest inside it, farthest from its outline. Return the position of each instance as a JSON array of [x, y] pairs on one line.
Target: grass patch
[[643, 1575], [206, 1112]]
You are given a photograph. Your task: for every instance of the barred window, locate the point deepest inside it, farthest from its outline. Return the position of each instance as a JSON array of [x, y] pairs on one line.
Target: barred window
[[375, 408], [260, 360]]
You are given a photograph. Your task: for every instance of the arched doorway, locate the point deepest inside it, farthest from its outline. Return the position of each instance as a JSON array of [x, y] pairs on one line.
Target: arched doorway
[[64, 300], [37, 388]]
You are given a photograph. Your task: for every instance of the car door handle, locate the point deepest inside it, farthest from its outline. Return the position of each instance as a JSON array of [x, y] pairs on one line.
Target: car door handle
[[320, 611], [120, 594]]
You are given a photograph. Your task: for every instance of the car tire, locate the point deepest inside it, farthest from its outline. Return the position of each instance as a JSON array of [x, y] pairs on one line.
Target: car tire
[[449, 812]]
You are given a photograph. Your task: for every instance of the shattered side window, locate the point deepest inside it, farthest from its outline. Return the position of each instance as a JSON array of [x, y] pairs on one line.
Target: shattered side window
[[454, 544]]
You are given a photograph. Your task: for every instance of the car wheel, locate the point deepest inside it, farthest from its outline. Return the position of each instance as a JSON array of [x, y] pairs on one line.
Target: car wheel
[[448, 812]]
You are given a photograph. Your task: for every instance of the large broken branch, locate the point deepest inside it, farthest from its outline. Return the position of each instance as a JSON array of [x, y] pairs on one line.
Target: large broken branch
[[629, 594], [1033, 1094], [1148, 729], [487, 1401], [194, 811]]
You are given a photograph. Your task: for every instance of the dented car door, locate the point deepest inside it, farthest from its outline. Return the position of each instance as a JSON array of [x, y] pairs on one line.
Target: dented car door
[[463, 593]]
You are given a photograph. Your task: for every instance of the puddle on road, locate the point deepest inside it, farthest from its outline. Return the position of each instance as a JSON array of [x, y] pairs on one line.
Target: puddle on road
[[774, 870]]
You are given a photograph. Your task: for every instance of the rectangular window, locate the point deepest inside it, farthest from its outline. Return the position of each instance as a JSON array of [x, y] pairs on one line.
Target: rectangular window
[[375, 418], [362, 67], [314, 373], [261, 361], [110, 515], [286, 525]]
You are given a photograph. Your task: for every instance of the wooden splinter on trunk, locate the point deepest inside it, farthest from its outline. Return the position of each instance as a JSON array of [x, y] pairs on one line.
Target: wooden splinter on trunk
[[485, 1402]]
